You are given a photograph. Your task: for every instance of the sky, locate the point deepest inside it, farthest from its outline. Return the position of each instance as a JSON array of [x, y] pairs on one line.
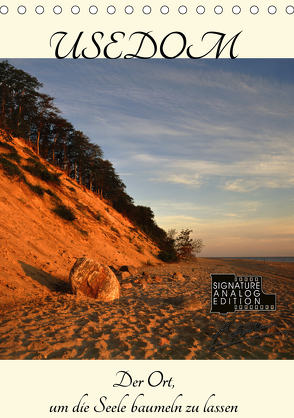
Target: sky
[[207, 144]]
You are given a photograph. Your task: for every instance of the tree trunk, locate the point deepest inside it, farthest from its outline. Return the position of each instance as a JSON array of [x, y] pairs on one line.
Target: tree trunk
[[53, 152], [3, 109], [64, 154], [38, 142]]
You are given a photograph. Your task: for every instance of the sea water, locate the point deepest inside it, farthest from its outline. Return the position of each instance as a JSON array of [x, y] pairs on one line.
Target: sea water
[[278, 259]]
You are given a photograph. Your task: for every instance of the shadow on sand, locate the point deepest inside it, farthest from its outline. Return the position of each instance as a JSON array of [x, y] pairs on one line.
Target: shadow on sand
[[45, 279]]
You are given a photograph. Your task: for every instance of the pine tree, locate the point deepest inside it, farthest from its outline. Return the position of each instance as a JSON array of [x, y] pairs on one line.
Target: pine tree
[[186, 246], [26, 112]]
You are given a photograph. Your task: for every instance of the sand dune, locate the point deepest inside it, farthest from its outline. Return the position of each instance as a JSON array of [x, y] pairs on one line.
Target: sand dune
[[38, 248], [145, 323]]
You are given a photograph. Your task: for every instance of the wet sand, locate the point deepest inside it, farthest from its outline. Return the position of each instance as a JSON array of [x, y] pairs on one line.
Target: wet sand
[[146, 323]]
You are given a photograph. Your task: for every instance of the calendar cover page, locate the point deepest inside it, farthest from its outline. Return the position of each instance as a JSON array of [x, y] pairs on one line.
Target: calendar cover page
[[146, 200]]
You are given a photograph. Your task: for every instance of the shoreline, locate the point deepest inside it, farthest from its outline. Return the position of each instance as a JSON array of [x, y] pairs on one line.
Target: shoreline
[[147, 322], [261, 259]]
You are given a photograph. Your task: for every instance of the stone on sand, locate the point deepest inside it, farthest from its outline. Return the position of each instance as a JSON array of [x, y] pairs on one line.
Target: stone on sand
[[94, 280], [124, 275], [142, 282], [126, 285], [178, 277], [147, 277], [131, 270]]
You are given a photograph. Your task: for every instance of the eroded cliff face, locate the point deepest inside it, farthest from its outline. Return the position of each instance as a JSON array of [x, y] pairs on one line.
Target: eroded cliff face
[[38, 248]]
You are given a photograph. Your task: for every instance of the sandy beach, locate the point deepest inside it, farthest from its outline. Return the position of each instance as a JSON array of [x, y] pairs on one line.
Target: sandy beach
[[147, 322], [40, 318]]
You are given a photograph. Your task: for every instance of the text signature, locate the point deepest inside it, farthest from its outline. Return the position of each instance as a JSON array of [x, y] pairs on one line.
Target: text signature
[[242, 333]]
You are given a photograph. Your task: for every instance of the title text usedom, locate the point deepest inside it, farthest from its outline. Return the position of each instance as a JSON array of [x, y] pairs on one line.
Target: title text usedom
[[172, 45]]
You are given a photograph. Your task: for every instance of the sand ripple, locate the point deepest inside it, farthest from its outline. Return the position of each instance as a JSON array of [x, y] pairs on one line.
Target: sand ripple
[[142, 324]]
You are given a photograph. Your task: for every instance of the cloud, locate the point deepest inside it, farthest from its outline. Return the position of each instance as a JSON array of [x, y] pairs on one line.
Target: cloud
[[248, 185], [188, 180], [241, 186], [263, 171]]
